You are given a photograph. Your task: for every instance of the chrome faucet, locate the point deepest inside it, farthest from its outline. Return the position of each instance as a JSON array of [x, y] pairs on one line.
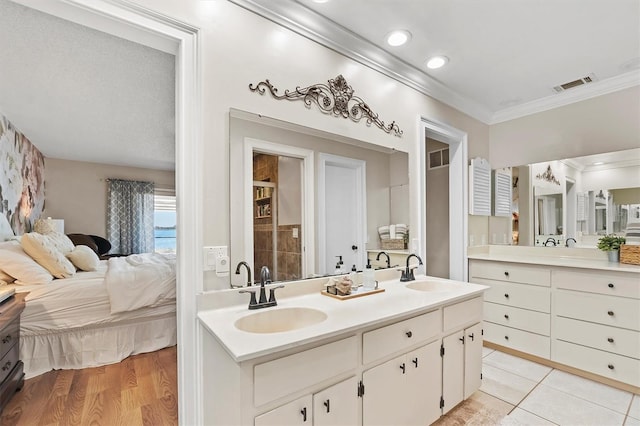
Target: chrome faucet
[[263, 302], [407, 274], [566, 242], [550, 241], [246, 265], [387, 256]]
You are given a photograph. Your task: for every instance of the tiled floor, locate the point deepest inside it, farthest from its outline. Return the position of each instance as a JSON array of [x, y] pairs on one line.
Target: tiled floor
[[515, 391]]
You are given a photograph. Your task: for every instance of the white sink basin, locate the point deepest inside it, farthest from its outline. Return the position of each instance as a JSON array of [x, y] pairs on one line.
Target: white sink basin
[[432, 286], [279, 320]]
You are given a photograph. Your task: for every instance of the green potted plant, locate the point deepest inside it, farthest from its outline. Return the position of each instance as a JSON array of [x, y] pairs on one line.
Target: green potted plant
[[611, 244]]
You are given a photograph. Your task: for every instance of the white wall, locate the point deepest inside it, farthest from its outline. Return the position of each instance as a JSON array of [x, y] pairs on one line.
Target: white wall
[[620, 177]]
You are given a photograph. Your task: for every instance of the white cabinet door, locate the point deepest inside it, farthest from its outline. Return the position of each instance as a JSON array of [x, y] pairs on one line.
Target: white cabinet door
[[424, 384], [337, 405], [472, 359], [383, 402], [295, 413], [452, 370]]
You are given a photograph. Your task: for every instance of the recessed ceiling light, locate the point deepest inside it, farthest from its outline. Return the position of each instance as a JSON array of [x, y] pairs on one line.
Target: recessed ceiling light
[[436, 62], [320, 1], [398, 37], [598, 163]]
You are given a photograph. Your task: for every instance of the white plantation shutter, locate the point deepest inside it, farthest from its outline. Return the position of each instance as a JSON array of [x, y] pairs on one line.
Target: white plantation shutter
[[480, 187], [502, 192]]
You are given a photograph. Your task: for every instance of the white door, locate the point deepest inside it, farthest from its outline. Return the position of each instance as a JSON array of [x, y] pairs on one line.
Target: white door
[[424, 384], [337, 405], [472, 359], [295, 413], [342, 220]]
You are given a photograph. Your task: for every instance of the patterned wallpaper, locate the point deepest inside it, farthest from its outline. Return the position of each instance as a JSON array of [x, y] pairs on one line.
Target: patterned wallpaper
[[21, 178]]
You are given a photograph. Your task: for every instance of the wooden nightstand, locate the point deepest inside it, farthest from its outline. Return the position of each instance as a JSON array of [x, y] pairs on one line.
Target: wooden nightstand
[[11, 368]]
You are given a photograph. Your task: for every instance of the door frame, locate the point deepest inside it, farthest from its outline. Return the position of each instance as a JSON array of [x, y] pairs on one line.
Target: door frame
[[359, 204], [145, 26], [458, 195], [307, 197]]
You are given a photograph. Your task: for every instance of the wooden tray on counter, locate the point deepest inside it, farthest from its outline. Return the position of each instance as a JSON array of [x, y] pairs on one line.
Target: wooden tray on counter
[[353, 295]]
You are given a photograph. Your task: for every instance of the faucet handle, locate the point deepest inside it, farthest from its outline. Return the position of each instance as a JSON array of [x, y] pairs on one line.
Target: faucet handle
[[272, 294], [252, 301]]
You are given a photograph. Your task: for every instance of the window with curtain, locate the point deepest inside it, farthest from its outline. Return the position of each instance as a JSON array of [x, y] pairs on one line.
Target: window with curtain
[[130, 210]]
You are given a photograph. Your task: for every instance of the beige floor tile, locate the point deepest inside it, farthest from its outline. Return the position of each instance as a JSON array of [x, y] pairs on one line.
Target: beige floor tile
[[565, 409], [521, 417], [630, 421], [479, 409], [486, 351], [606, 396], [635, 407], [522, 367], [507, 386]]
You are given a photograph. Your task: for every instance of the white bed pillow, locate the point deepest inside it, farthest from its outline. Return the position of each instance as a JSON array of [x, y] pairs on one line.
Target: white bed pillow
[[44, 251], [62, 242], [15, 262], [84, 258]]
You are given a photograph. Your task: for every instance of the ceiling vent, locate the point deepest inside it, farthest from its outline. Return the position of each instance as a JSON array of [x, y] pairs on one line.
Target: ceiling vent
[[575, 83]]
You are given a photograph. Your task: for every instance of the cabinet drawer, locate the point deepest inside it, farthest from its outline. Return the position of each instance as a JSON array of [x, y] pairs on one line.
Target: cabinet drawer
[[610, 339], [10, 385], [9, 361], [518, 295], [523, 319], [460, 314], [393, 338], [603, 282], [9, 336], [524, 341], [616, 367], [608, 310], [289, 374], [510, 272]]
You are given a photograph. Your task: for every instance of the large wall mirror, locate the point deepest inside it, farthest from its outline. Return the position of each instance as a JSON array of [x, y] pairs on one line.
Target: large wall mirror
[[300, 198], [572, 202]]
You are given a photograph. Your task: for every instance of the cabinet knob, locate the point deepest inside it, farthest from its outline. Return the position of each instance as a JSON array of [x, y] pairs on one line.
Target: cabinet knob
[[304, 414], [409, 334], [403, 368], [415, 362], [506, 295], [506, 316], [610, 339], [610, 313], [6, 366], [611, 367], [326, 404], [610, 285], [6, 339], [506, 274], [506, 337]]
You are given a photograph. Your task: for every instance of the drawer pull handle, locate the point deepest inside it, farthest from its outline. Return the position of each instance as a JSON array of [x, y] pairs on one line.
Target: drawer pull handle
[[611, 285], [326, 404], [506, 295], [610, 366], [610, 313], [610, 339], [506, 337], [304, 414], [403, 367], [6, 366], [506, 316], [7, 339], [415, 362], [471, 336], [409, 334]]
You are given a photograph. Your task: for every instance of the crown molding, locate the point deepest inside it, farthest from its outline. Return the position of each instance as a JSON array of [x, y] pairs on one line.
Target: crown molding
[[577, 94], [308, 23]]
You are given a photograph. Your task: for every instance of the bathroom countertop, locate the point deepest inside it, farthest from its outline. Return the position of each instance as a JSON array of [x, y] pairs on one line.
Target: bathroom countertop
[[558, 260], [343, 316]]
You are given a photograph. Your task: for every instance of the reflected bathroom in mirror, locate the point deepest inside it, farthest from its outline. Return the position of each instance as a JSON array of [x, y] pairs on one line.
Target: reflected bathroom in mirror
[[571, 202], [300, 198]]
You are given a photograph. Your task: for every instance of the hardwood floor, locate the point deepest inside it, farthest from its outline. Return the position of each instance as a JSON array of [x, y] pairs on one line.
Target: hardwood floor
[[140, 390]]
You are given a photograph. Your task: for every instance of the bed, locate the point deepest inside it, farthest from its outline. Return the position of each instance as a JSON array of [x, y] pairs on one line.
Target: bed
[[125, 306]]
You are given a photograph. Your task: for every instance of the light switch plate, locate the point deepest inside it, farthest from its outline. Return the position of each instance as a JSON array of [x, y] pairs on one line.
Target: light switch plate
[[211, 254]]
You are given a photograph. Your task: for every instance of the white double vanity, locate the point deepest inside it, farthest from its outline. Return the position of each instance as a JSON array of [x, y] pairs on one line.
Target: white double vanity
[[403, 356]]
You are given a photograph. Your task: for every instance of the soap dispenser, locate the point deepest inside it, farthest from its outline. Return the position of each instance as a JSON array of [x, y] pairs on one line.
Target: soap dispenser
[[339, 264], [353, 276], [369, 277]]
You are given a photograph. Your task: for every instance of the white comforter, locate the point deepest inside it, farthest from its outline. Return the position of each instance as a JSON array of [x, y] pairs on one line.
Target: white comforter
[[140, 280]]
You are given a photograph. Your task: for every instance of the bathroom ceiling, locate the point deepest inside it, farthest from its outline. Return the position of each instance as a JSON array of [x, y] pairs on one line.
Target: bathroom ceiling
[[505, 56]]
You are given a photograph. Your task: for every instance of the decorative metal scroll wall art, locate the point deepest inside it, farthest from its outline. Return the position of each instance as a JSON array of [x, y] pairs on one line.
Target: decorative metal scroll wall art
[[335, 98], [548, 176]]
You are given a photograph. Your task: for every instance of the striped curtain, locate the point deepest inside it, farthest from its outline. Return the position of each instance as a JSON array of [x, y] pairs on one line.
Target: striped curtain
[[130, 216]]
